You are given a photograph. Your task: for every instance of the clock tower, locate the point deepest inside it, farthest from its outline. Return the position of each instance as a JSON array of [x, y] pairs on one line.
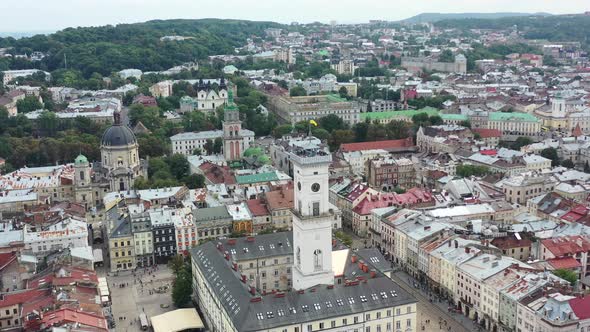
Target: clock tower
[[312, 219]]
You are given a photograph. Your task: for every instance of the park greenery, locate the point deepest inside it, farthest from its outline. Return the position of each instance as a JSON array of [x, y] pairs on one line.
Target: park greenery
[[107, 49], [567, 275], [182, 284], [467, 170]]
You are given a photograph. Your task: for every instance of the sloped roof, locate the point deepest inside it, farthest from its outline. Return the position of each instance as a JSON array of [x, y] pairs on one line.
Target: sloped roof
[[378, 145]]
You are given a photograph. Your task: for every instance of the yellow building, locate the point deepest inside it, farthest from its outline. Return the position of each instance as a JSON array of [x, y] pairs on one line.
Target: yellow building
[[121, 245]]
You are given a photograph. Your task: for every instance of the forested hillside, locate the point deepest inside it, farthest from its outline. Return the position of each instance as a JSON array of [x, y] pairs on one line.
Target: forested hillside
[[111, 48], [552, 28]]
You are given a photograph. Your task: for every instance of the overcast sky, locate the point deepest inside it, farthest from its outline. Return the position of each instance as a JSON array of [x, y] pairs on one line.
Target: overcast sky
[[42, 15]]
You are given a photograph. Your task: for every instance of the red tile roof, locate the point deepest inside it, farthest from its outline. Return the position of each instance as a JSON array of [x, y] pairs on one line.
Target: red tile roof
[[572, 216], [398, 144], [567, 245], [280, 199], [412, 197], [65, 316], [358, 190], [564, 263], [257, 207], [581, 307], [6, 259], [217, 174], [487, 133], [510, 242], [73, 275], [489, 152], [22, 297]]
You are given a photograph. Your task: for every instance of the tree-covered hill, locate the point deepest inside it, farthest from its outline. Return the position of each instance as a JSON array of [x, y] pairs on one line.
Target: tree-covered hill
[[553, 28], [436, 17], [111, 48]]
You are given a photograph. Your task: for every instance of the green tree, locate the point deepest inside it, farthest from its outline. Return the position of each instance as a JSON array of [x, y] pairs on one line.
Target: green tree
[[332, 122], [194, 181], [466, 170], [520, 142], [208, 146], [281, 130], [28, 104], [176, 264], [182, 287], [343, 92], [179, 165], [568, 163], [48, 123], [320, 133], [398, 129], [360, 131], [551, 153], [340, 136], [297, 91], [149, 116], [217, 145], [446, 56], [568, 275], [465, 123]]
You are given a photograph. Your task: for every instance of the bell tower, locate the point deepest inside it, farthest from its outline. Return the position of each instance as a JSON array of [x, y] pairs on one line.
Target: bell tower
[[83, 182], [233, 142], [312, 219]]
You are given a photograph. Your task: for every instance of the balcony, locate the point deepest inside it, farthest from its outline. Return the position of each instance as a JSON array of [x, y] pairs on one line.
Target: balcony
[[309, 159]]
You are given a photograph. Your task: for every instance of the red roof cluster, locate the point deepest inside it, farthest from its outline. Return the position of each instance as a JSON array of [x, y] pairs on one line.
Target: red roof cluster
[[576, 213], [581, 307], [396, 144], [22, 297], [488, 152], [567, 245], [6, 259], [564, 263], [410, 198], [257, 207], [217, 174], [67, 316], [487, 133]]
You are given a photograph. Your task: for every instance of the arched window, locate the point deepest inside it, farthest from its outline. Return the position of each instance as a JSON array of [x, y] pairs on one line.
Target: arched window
[[298, 257], [82, 175], [317, 260]]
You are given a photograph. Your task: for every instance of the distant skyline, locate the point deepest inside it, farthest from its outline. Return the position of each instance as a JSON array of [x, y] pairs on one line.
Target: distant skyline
[[52, 15]]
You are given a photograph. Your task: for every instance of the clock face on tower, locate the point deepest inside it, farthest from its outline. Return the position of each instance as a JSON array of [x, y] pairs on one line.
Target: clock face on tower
[[299, 186], [315, 187]]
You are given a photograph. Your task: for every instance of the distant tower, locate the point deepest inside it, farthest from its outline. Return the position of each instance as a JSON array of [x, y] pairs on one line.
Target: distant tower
[[312, 220], [460, 64], [83, 181], [233, 142]]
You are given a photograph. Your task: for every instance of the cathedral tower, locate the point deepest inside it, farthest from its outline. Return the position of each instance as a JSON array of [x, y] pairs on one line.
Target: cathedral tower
[[312, 219], [233, 142], [83, 181]]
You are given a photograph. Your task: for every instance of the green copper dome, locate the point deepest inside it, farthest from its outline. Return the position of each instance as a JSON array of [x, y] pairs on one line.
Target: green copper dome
[[81, 159]]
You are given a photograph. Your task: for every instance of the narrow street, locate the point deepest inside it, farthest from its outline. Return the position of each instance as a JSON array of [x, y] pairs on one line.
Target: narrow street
[[427, 311], [434, 312]]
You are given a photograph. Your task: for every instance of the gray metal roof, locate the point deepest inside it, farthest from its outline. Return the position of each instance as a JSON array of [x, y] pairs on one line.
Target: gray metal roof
[[320, 302], [118, 135], [212, 213], [261, 246]]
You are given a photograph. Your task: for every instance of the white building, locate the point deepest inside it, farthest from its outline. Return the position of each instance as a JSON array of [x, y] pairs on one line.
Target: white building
[[9, 75], [68, 233], [187, 143], [127, 73]]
